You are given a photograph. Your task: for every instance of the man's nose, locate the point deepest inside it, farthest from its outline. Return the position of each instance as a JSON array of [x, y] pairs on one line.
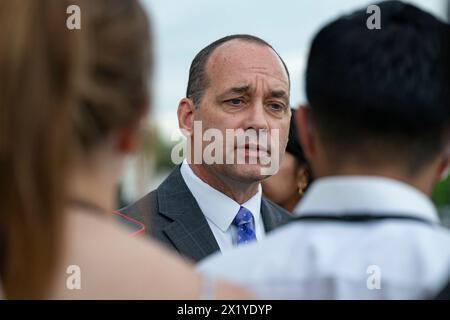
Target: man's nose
[[257, 117]]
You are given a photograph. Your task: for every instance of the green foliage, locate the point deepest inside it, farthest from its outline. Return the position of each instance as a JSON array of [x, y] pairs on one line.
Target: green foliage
[[153, 144], [441, 194], [163, 151]]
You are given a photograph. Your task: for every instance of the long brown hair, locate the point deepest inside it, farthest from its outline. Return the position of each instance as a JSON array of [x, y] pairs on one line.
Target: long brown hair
[[61, 92]]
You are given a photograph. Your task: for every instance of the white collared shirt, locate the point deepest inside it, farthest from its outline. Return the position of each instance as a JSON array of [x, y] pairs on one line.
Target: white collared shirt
[[220, 210], [387, 259]]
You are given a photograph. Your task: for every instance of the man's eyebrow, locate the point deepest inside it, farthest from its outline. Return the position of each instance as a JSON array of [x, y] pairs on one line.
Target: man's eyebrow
[[237, 90], [279, 94]]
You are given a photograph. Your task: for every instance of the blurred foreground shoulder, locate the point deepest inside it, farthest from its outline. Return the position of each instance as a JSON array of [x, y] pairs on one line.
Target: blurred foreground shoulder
[[111, 264]]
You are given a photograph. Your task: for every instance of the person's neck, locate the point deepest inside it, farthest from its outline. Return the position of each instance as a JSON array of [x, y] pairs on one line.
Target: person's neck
[[94, 183], [423, 181], [290, 204], [239, 191]]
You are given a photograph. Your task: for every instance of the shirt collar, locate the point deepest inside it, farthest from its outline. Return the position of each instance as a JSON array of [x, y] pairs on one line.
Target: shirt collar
[[368, 195], [216, 206]]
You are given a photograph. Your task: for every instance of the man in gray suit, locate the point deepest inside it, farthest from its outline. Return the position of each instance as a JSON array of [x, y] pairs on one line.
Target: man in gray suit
[[237, 85]]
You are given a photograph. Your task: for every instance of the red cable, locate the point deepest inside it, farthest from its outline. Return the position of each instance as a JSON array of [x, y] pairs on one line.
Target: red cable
[[136, 233]]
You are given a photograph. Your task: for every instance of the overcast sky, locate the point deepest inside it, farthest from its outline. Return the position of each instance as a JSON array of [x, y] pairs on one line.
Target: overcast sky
[[181, 28]]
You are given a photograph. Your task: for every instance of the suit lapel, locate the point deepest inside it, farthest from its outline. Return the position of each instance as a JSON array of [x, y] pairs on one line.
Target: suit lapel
[[272, 218], [189, 232]]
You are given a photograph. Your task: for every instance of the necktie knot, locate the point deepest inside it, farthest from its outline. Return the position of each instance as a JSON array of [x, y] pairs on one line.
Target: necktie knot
[[244, 223], [243, 216]]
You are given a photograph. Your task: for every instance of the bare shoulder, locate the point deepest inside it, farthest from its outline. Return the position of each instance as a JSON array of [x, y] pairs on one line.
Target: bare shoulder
[[229, 291], [113, 265]]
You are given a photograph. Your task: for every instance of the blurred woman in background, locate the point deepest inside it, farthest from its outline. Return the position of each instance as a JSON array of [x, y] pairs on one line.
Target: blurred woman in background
[[70, 106], [288, 185]]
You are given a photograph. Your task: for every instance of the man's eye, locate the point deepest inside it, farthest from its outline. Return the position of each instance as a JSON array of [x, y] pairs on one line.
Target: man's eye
[[276, 106], [235, 102]]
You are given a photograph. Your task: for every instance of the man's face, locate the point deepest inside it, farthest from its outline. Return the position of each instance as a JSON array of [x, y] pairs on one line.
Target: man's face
[[248, 90]]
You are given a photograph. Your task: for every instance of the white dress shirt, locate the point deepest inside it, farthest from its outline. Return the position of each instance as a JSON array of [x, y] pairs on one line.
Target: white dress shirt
[[220, 210], [381, 259]]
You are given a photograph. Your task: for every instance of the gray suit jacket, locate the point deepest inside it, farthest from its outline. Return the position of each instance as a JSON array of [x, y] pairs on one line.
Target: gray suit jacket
[[172, 215]]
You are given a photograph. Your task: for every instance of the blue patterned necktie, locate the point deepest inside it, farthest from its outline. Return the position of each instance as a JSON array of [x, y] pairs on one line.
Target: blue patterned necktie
[[244, 223]]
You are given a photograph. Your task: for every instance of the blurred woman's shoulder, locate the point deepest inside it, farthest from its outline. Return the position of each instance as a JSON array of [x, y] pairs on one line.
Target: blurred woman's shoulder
[[101, 260]]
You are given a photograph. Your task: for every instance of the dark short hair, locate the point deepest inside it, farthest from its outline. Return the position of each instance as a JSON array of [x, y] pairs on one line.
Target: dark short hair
[[381, 88], [198, 79], [295, 149], [293, 145]]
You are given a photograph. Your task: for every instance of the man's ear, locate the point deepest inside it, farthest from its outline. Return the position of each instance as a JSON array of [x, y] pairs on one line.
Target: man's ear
[[185, 115], [302, 177], [444, 168], [305, 132]]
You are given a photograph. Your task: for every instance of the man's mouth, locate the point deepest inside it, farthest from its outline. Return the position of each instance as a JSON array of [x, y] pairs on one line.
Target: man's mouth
[[254, 150]]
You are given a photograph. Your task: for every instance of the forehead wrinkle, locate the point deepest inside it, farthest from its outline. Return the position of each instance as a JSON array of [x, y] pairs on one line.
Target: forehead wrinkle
[[281, 77], [271, 91]]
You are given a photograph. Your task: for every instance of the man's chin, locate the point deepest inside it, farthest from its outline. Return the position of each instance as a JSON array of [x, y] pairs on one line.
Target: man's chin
[[246, 172]]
